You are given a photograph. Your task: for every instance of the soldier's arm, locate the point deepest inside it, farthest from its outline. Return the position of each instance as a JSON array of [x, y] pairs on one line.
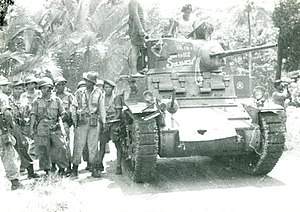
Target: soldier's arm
[[101, 108], [33, 115], [73, 110], [118, 106], [61, 110], [5, 109]]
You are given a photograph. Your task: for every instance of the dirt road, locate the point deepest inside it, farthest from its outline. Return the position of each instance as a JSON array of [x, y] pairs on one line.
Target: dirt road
[[186, 184]]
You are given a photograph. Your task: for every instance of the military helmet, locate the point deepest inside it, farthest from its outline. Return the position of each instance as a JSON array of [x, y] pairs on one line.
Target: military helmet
[[17, 83], [31, 79], [46, 81], [4, 80], [100, 82], [60, 79], [109, 82], [90, 76], [80, 83]]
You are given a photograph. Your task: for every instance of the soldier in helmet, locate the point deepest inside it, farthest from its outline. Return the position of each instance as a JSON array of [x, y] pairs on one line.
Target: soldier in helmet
[[113, 106], [21, 145], [31, 92], [6, 139], [87, 113], [67, 99], [26, 99], [44, 126]]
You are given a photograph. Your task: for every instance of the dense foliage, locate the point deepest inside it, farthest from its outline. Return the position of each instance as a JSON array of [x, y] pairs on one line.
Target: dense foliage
[[4, 4], [72, 36], [286, 17]]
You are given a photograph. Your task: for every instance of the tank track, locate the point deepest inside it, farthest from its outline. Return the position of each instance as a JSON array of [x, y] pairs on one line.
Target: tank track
[[264, 159], [142, 150]]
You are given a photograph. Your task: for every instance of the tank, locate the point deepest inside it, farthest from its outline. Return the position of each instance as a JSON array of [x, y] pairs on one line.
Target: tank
[[185, 105]]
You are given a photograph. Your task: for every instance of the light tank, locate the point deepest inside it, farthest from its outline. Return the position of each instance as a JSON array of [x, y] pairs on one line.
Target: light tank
[[185, 105]]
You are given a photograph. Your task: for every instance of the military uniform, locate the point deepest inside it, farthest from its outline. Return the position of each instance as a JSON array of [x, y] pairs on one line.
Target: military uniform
[[26, 100], [113, 107], [21, 145], [87, 112], [49, 141], [7, 141], [67, 100]]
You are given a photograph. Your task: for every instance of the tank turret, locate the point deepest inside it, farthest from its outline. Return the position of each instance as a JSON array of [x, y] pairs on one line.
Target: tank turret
[[185, 54]]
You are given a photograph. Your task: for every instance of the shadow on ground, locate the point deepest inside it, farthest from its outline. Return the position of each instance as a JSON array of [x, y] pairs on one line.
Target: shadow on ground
[[187, 174]]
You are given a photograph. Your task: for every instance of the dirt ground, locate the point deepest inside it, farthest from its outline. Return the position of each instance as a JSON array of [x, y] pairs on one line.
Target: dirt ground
[[186, 184]]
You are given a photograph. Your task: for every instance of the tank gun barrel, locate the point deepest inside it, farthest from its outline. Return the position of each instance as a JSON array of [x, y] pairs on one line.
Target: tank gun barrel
[[241, 51]]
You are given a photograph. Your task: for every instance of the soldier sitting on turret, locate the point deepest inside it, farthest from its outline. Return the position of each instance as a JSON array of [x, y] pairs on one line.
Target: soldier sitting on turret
[[185, 24]]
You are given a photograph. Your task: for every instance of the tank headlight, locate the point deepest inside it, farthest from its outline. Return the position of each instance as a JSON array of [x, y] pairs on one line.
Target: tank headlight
[[259, 92], [148, 96]]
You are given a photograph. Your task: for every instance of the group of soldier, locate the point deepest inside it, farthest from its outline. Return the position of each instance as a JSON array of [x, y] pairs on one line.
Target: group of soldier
[[38, 115]]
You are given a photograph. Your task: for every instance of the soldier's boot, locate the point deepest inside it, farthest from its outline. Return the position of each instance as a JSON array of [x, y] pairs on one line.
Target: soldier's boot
[[69, 169], [61, 172], [88, 166], [15, 184], [96, 173], [22, 169], [101, 167], [47, 171], [30, 173], [53, 167], [119, 170], [74, 173]]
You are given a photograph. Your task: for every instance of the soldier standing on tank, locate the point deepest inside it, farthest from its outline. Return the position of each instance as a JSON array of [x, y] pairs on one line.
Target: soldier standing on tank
[[87, 116], [21, 145], [136, 32], [67, 99], [44, 126], [113, 106], [7, 141]]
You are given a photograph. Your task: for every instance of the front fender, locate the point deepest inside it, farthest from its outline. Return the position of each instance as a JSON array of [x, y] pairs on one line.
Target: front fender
[[269, 106]]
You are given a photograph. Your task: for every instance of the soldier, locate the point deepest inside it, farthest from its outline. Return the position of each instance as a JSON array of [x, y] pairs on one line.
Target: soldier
[[26, 100], [281, 94], [185, 24], [85, 152], [6, 139], [67, 99], [31, 92], [137, 33], [46, 113], [21, 145], [99, 84], [87, 113], [113, 106]]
